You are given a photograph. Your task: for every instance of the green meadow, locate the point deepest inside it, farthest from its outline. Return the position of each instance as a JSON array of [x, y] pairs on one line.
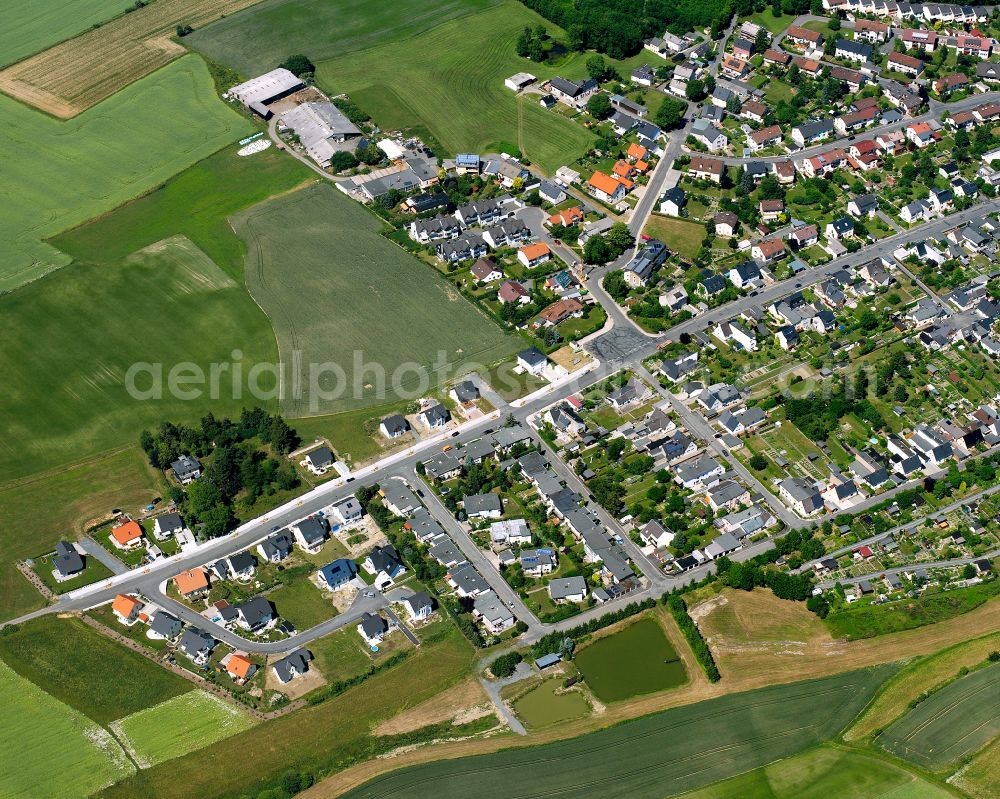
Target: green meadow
[[339, 293], [59, 174], [60, 753], [178, 726], [449, 80], [319, 28], [89, 672]]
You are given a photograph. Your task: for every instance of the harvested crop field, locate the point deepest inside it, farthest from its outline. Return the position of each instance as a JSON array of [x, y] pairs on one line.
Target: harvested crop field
[[367, 322], [951, 723], [76, 74], [755, 635], [178, 726], [684, 748], [61, 754]]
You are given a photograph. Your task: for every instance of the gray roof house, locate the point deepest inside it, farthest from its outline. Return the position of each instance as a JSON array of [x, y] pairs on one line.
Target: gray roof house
[[468, 582], [568, 589], [323, 129], [292, 665], [164, 625], [67, 561], [186, 469], [255, 614], [482, 505], [276, 547], [196, 644]]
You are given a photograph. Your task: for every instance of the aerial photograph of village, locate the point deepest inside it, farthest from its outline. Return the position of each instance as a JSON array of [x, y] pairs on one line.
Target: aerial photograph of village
[[507, 399]]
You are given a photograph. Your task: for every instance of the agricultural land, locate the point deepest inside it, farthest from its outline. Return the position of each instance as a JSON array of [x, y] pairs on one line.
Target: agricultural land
[[79, 73], [321, 28], [952, 723], [48, 22], [356, 305], [60, 174], [452, 86], [709, 741]]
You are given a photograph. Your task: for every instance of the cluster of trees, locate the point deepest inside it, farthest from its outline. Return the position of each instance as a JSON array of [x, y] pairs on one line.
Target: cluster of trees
[[618, 27], [601, 249], [169, 440], [670, 114], [505, 665], [533, 43], [299, 65], [238, 467], [694, 638], [818, 416]]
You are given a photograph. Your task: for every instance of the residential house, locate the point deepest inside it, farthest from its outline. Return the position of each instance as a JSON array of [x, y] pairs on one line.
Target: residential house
[[434, 416], [276, 547], [703, 131], [292, 665], [372, 628], [907, 64], [167, 525], [309, 533], [859, 52], [803, 236], [863, 206], [126, 609], [534, 254], [186, 469], [567, 589], [726, 223], [66, 562], [771, 210], [192, 582], [764, 138], [705, 168], [240, 668], [482, 506], [492, 613], [255, 614], [127, 535], [768, 251], [673, 201], [394, 426], [812, 132], [801, 496], [197, 645]]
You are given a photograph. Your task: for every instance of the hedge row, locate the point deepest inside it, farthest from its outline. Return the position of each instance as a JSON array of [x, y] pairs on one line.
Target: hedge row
[[694, 638]]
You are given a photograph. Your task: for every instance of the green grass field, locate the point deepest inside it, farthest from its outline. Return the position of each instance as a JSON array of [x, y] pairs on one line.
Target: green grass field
[[60, 753], [543, 706], [42, 23], [166, 305], [679, 235], [868, 621], [87, 671], [319, 738], [823, 773], [178, 726], [66, 498], [339, 656], [194, 203], [683, 748], [950, 724], [635, 660], [319, 28], [449, 80], [59, 174], [302, 604], [336, 291]]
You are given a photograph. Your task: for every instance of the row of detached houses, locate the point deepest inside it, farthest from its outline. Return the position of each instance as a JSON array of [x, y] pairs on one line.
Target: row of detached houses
[[931, 12]]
